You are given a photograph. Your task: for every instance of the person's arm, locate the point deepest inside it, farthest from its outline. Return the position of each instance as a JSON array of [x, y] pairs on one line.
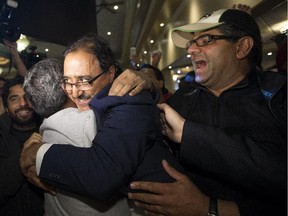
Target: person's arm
[[28, 159], [119, 147], [133, 82], [16, 58], [256, 167], [180, 198], [229, 161]]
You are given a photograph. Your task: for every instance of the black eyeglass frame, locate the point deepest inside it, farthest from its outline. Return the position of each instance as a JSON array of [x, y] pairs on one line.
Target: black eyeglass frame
[[77, 83], [210, 39]]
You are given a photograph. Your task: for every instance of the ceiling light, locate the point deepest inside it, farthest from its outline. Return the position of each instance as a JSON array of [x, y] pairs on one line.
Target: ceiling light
[[188, 56], [3, 61], [109, 33], [269, 53], [170, 67], [46, 50], [151, 41], [283, 29], [145, 52], [22, 43], [116, 7], [175, 77], [161, 24]]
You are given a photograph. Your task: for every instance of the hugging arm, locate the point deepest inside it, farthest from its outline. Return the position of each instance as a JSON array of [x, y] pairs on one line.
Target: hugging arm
[[118, 148]]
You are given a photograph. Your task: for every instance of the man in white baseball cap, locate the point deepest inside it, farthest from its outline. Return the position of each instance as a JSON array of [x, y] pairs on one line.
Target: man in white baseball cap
[[228, 127]]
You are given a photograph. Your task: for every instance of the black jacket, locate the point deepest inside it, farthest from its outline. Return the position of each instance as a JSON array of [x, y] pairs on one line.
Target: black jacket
[[234, 146], [18, 197]]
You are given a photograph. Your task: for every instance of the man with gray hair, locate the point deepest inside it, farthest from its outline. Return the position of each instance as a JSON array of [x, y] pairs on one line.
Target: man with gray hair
[[63, 123]]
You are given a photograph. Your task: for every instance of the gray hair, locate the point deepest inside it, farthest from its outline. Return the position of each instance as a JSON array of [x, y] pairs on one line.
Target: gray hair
[[42, 87]]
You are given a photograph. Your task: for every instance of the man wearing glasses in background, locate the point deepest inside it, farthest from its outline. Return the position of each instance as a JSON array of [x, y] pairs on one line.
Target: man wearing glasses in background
[[231, 130]]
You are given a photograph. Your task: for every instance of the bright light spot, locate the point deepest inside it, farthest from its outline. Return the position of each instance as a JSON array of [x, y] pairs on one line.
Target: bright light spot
[[109, 33], [178, 71], [269, 53], [22, 43], [170, 67], [145, 52], [151, 41], [46, 50], [188, 56], [116, 7], [161, 24], [175, 77]]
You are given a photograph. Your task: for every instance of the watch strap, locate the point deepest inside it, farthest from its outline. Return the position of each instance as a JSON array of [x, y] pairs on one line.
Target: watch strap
[[213, 207]]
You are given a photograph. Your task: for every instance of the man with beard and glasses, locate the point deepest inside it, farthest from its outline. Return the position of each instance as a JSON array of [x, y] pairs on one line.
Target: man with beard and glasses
[[17, 195]]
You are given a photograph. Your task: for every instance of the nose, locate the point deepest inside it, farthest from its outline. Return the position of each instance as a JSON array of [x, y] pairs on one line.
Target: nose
[[23, 101], [193, 49], [75, 92]]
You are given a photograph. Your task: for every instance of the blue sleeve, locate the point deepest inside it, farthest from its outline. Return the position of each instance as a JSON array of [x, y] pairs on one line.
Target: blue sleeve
[[118, 148]]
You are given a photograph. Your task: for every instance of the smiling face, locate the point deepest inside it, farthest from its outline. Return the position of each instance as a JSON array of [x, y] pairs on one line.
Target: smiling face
[[81, 66], [217, 65], [19, 109]]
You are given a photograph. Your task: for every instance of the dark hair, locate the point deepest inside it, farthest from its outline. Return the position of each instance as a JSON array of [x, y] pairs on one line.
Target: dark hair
[[156, 70], [43, 89], [17, 80], [97, 46], [255, 55]]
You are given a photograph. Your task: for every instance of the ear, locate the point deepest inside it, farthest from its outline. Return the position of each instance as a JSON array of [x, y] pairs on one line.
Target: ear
[[6, 110], [244, 46], [111, 73], [161, 83]]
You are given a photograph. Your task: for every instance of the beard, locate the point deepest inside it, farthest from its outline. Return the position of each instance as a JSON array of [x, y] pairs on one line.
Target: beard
[[29, 120]]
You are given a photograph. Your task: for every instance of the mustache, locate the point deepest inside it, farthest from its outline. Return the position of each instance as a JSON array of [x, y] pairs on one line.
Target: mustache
[[84, 97], [25, 108]]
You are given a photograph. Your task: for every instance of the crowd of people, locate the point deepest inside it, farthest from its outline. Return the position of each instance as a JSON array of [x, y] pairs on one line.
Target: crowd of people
[[79, 136]]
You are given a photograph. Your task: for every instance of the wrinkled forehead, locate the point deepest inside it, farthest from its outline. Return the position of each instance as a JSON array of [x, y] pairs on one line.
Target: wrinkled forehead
[[81, 63]]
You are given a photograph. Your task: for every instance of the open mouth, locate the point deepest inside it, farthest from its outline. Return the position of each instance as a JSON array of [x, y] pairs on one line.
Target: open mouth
[[23, 113], [200, 64]]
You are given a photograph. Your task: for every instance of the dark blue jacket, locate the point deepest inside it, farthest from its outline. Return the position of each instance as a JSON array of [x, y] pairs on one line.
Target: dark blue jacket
[[128, 146]]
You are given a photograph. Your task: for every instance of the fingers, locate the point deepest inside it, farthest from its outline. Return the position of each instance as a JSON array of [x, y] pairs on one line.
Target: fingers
[[242, 7], [35, 138], [162, 106], [120, 89], [32, 177], [144, 197], [124, 83], [150, 210], [152, 187], [172, 172], [131, 82]]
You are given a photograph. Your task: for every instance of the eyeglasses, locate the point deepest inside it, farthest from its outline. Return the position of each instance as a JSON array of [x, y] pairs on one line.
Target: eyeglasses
[[206, 39], [81, 85]]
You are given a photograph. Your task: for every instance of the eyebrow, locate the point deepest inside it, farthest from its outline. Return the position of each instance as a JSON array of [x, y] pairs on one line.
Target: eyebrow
[[79, 77]]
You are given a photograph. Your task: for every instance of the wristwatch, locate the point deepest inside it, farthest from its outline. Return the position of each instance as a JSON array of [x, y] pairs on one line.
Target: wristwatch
[[213, 207]]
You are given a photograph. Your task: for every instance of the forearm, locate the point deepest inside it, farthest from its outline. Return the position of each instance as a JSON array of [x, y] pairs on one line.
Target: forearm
[[18, 64], [117, 150]]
